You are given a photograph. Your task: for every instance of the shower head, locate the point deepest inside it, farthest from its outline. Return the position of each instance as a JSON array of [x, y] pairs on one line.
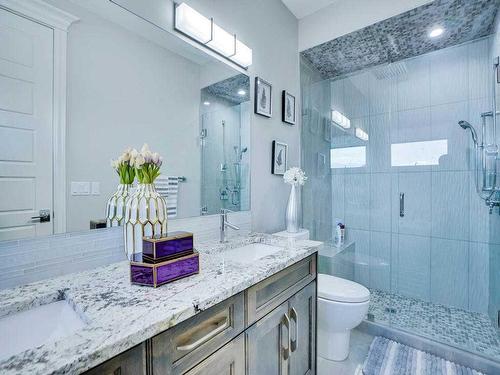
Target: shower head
[[239, 153], [465, 125]]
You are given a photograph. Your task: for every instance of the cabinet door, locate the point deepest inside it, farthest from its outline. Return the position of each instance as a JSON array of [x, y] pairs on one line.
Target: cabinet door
[[268, 343], [131, 362], [228, 360], [302, 315]]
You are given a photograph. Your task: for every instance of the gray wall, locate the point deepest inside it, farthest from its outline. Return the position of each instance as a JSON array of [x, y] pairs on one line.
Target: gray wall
[[269, 28]]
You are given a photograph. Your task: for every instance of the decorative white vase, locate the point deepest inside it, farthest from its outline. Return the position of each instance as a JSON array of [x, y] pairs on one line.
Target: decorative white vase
[[145, 215], [292, 210], [115, 208]]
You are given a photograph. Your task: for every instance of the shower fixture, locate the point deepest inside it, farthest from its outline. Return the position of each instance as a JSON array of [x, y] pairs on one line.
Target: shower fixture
[[486, 152], [465, 125]]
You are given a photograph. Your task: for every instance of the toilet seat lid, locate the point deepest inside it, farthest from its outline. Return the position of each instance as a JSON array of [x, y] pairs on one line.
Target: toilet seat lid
[[341, 290]]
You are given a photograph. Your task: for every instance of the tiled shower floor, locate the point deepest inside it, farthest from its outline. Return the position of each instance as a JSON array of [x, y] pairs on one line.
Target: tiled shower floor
[[473, 332]]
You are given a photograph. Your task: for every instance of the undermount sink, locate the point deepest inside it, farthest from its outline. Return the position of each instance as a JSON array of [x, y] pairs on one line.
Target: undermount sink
[[251, 253], [39, 325]]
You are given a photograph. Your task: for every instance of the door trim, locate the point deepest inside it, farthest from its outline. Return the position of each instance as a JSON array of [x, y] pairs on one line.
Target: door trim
[[59, 21]]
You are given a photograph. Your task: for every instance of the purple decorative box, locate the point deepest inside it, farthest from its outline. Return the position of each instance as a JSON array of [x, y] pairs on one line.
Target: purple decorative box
[[161, 273], [164, 248]]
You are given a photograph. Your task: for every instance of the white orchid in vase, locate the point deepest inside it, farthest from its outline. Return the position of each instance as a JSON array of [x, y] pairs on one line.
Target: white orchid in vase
[[145, 205], [147, 164], [124, 168], [295, 176]]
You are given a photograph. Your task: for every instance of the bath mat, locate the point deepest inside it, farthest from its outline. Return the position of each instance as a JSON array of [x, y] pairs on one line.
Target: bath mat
[[388, 357]]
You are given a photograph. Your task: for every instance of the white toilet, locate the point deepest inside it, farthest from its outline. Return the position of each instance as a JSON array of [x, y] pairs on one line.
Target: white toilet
[[342, 306]]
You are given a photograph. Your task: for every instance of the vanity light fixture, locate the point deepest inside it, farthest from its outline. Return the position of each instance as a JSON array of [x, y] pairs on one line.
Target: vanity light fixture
[[222, 42], [205, 31], [361, 134], [193, 24], [340, 120], [206, 103], [241, 92], [437, 31]]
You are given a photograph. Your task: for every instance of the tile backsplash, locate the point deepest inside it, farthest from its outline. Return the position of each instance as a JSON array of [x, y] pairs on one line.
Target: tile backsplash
[[30, 260]]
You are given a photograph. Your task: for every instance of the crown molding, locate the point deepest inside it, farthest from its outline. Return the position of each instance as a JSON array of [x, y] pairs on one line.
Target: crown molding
[[41, 12]]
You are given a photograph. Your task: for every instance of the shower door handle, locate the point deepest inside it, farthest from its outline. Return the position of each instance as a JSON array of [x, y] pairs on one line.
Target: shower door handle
[[401, 204]]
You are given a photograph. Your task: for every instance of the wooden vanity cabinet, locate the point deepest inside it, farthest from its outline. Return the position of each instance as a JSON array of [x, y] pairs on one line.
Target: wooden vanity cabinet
[[283, 341], [182, 347], [131, 362], [270, 329], [228, 360]]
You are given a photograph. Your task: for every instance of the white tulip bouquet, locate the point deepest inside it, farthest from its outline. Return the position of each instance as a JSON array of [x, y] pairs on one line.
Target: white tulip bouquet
[[147, 164], [295, 176], [124, 167]]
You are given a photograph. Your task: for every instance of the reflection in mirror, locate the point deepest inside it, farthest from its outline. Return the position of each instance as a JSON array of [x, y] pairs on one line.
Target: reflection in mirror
[[128, 84], [225, 145]]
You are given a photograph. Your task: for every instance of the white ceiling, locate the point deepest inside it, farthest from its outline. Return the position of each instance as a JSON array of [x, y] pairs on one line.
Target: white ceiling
[[302, 8]]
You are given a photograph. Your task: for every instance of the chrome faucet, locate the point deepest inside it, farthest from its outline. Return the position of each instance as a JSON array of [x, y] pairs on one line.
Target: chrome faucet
[[224, 223]]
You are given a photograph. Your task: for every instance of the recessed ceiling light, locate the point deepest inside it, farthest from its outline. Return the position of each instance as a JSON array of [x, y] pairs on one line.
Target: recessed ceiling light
[[437, 31], [241, 92], [206, 103]]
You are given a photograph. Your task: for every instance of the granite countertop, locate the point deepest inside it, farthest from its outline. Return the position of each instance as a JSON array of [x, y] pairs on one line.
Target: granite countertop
[[120, 315]]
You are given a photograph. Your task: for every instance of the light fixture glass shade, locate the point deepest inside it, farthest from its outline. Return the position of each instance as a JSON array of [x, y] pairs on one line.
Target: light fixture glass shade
[[341, 120], [192, 23], [243, 56], [222, 41], [361, 134]]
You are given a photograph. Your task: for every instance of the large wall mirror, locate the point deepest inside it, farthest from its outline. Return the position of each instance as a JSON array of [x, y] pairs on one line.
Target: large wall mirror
[[129, 82]]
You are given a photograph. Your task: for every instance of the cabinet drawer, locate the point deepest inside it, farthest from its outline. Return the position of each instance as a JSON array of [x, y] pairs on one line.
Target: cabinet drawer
[[186, 344], [131, 362], [265, 296], [228, 360]]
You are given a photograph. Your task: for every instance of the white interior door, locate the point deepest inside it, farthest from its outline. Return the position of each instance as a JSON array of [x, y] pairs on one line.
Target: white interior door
[[26, 104]]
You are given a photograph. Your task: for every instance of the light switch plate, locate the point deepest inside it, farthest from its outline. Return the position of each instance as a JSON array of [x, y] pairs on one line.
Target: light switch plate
[[96, 188], [80, 188]]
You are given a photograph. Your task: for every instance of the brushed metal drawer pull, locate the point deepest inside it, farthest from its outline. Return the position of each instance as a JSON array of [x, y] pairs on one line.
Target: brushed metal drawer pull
[[222, 325], [286, 322], [295, 317]]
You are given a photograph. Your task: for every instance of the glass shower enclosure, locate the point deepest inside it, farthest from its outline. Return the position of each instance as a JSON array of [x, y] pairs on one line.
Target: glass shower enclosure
[[384, 149]]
